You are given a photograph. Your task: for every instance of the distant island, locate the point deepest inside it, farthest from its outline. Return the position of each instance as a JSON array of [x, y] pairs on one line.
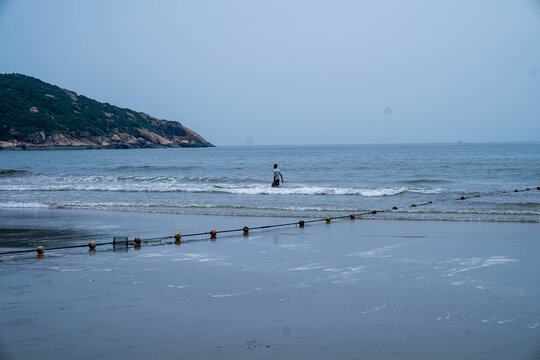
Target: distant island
[[35, 115]]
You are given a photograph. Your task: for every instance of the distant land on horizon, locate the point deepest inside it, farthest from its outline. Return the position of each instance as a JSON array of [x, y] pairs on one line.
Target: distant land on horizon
[[35, 115]]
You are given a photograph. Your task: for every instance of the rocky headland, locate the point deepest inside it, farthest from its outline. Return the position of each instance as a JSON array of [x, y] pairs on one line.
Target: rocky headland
[[35, 115]]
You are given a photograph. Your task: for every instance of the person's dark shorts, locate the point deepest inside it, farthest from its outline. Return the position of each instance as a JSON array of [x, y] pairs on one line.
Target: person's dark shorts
[[275, 183]]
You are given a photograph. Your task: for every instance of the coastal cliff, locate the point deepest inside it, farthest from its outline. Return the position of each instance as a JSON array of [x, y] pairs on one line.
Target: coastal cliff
[[35, 115]]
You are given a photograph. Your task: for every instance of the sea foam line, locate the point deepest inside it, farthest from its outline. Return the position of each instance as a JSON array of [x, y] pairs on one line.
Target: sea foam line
[[222, 188]]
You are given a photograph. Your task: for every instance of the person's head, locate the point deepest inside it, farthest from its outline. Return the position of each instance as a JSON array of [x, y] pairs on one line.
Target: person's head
[[275, 166]]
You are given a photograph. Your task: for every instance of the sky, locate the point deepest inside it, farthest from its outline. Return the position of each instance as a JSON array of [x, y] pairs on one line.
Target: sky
[[294, 72]]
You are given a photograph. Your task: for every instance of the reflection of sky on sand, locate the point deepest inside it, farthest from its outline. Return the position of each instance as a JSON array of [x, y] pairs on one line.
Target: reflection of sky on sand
[[330, 292]]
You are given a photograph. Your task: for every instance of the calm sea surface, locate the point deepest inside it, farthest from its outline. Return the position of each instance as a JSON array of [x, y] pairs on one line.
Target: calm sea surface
[[319, 181]]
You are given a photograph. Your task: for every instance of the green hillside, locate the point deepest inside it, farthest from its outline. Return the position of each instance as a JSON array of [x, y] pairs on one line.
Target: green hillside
[[29, 105]]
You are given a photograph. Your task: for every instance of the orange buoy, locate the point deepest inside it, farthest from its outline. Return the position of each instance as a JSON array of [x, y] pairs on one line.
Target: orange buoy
[[245, 229], [40, 250], [429, 202], [177, 236], [328, 219], [213, 233], [352, 216], [538, 188], [92, 245], [137, 240], [301, 223]]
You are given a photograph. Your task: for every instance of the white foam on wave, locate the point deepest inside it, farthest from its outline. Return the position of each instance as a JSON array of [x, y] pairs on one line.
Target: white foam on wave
[[426, 191], [166, 207], [11, 204], [227, 188]]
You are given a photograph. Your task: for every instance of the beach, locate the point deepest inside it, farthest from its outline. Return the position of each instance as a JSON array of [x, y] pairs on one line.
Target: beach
[[350, 289]]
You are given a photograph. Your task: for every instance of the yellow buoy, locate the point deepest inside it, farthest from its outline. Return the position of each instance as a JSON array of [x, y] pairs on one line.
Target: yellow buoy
[[413, 205], [477, 195], [245, 229], [92, 245], [177, 236], [328, 219]]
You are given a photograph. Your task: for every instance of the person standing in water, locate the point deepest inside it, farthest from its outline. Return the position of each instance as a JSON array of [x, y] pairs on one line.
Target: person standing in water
[[277, 174]]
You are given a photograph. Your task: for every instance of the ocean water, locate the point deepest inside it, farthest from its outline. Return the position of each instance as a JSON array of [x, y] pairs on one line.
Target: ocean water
[[319, 181]]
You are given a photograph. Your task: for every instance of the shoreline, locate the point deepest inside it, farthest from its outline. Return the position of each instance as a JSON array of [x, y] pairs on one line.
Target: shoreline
[[120, 146], [64, 227], [380, 215]]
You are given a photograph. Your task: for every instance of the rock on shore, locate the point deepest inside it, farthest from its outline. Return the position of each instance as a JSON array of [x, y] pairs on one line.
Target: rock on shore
[[176, 135]]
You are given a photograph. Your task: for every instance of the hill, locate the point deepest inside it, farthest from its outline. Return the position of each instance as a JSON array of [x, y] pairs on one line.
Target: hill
[[38, 115]]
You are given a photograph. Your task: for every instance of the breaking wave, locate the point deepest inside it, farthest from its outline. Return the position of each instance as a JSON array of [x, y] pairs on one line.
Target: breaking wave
[[249, 189], [155, 167]]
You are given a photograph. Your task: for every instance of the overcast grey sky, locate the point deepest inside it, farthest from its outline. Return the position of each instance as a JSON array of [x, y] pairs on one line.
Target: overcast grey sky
[[294, 72]]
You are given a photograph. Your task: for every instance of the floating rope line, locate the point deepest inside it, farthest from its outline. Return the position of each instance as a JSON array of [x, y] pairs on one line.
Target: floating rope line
[[468, 197], [124, 242], [424, 204]]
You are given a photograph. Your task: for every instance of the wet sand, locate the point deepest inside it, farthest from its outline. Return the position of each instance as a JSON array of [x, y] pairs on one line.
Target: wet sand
[[360, 289]]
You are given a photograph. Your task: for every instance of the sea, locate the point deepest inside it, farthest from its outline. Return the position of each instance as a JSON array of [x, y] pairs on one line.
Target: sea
[[320, 181]]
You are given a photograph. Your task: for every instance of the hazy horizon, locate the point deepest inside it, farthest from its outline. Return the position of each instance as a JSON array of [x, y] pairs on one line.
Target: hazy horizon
[[302, 73]]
